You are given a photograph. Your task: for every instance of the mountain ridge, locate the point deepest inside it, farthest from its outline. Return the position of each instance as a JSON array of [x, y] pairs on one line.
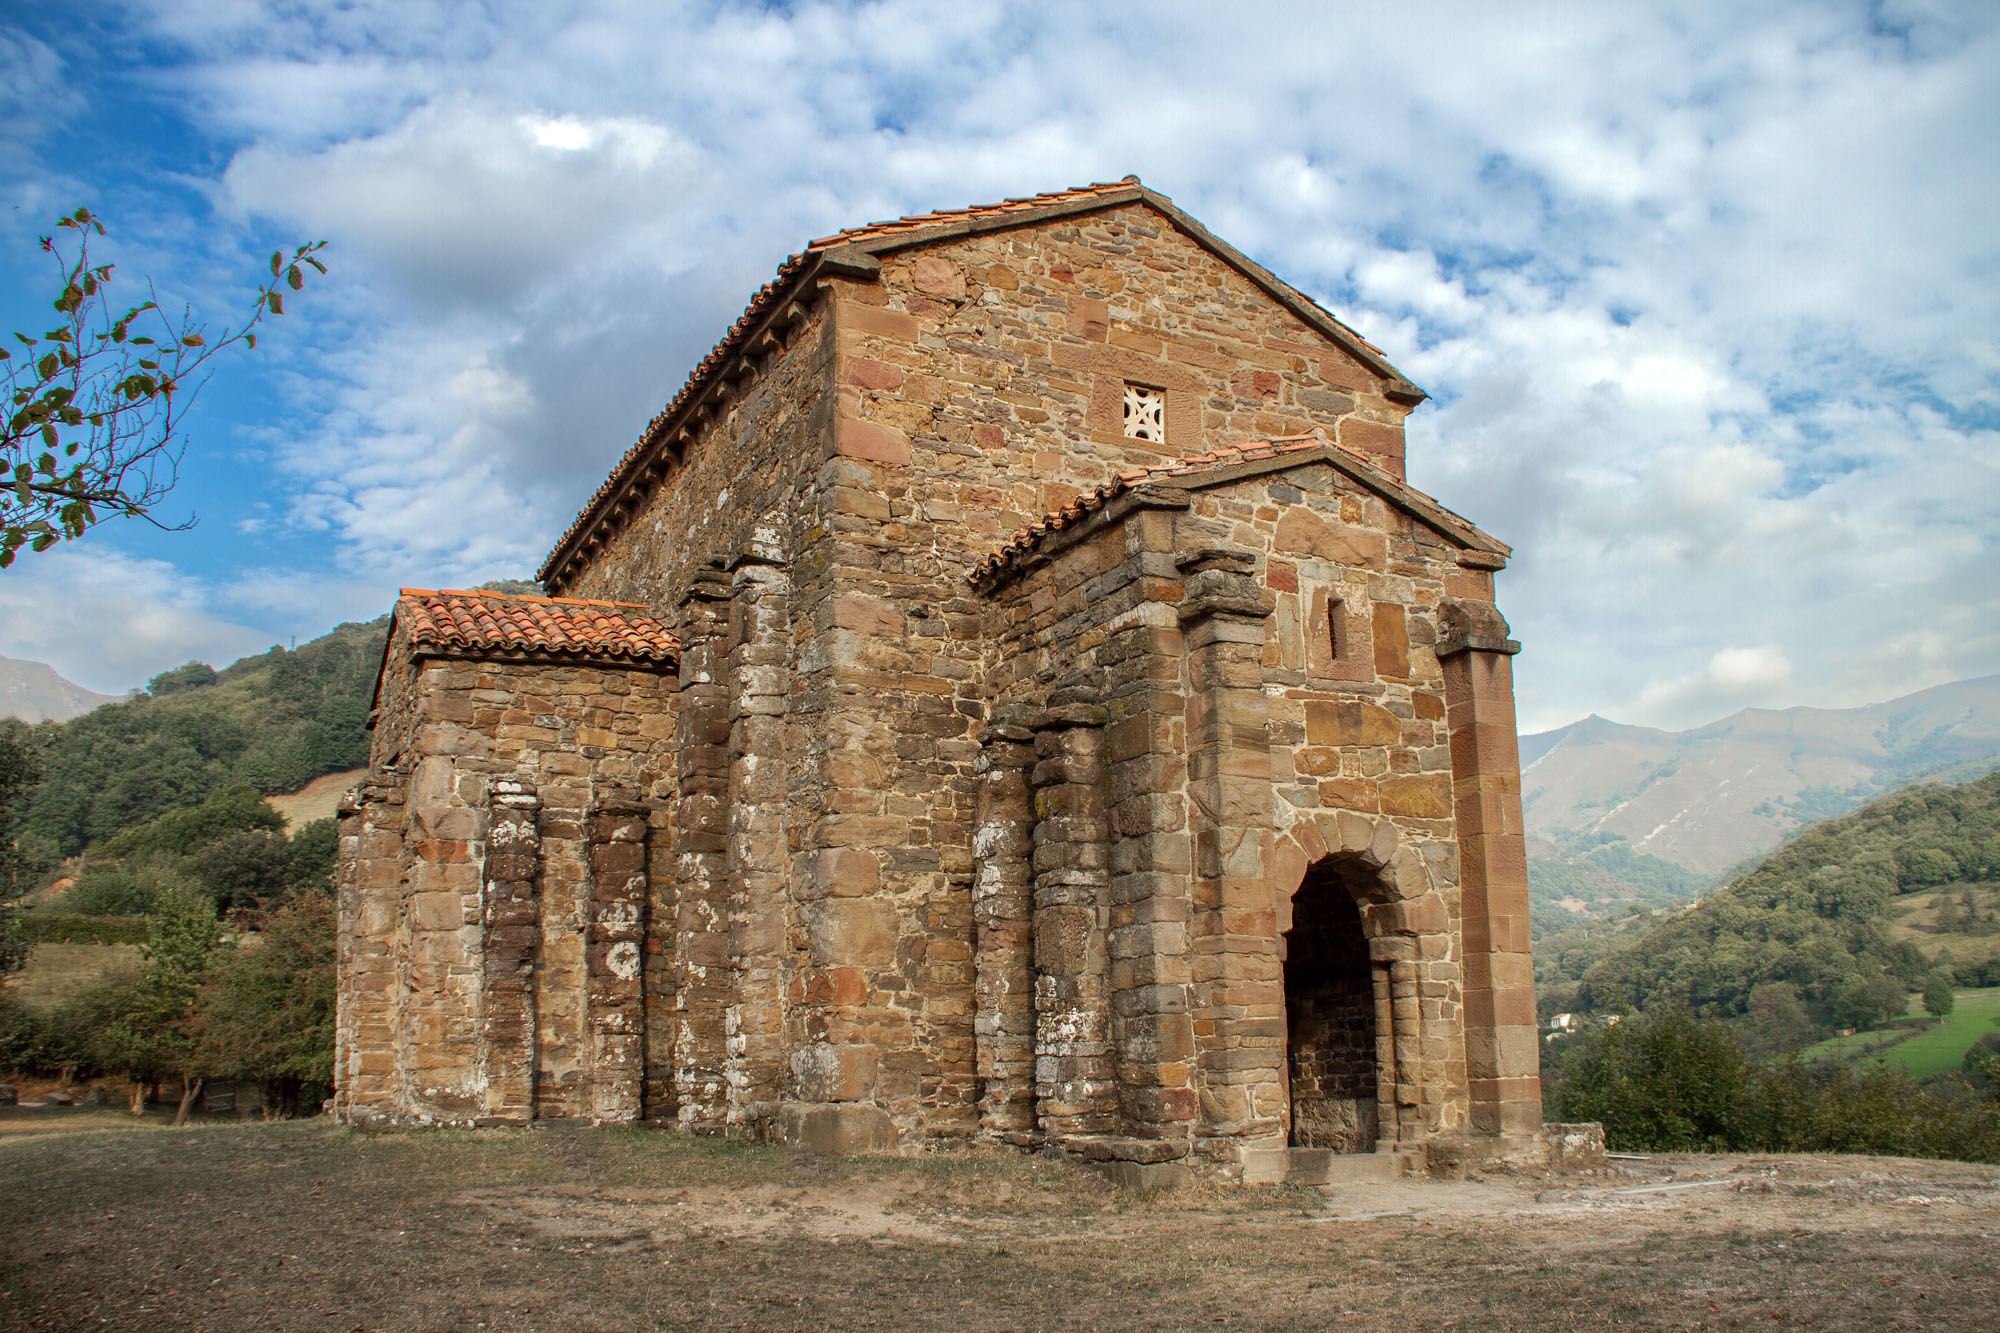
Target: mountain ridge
[[1706, 800], [34, 692]]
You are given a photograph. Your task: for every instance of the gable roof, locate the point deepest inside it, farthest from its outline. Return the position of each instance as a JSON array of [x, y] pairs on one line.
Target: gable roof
[[1230, 463], [855, 253], [454, 621]]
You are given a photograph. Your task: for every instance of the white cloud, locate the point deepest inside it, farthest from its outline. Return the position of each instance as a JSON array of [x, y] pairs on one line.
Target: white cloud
[[468, 201], [1705, 295], [1732, 678], [109, 621]]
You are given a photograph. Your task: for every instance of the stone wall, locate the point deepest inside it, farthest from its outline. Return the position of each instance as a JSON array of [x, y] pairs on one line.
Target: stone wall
[[499, 871], [740, 482], [979, 383], [925, 858], [1257, 662]]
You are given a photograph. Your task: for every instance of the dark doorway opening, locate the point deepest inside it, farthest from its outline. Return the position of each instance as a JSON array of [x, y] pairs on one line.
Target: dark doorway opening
[[1330, 1046]]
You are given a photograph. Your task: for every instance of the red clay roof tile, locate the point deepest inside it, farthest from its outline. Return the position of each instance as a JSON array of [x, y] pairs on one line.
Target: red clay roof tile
[[460, 619]]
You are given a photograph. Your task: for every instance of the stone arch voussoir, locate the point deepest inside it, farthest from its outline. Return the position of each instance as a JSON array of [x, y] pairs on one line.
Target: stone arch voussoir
[[1404, 900]]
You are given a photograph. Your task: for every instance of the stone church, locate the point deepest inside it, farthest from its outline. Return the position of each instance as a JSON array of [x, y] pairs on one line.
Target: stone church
[[1009, 693]]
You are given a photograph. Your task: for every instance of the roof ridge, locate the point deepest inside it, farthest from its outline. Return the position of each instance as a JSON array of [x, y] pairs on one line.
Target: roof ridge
[[519, 597], [787, 269], [636, 465]]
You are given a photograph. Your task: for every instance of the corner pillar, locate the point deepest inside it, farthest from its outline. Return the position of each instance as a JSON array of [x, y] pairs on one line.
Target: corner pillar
[[614, 938], [1238, 990], [1076, 1091], [758, 854], [1503, 1056]]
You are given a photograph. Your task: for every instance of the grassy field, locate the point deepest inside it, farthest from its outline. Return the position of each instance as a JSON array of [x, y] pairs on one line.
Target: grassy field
[[55, 972], [318, 799], [304, 1225], [1926, 1046], [1913, 918]]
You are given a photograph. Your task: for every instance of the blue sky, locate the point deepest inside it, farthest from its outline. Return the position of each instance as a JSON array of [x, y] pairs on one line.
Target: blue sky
[[1705, 296]]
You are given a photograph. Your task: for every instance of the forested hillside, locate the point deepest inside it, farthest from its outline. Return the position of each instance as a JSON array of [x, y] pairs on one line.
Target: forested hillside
[[1815, 938], [275, 722]]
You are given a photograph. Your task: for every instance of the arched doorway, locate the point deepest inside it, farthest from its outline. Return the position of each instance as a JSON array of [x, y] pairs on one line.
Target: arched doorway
[[1330, 1018]]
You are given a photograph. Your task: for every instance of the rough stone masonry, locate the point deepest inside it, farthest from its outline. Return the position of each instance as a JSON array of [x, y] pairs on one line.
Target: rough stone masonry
[[1009, 693]]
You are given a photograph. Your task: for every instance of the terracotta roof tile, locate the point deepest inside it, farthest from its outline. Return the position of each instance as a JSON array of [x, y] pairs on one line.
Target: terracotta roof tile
[[767, 298], [1093, 500], [944, 217], [459, 619]]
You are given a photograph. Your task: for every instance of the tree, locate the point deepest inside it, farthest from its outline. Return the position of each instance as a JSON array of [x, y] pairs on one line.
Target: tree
[[267, 1012], [246, 868], [1666, 1080], [1938, 997], [151, 1037], [315, 853], [96, 403], [187, 676], [20, 769]]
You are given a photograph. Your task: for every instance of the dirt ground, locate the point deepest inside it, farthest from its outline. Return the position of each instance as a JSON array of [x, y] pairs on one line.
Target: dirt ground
[[302, 1225]]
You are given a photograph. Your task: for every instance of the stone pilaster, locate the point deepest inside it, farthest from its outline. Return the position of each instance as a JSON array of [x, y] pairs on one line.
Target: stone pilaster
[[1238, 990], [759, 852], [439, 1025], [1075, 1086], [1151, 905], [1503, 1055], [701, 866], [1387, 1122], [614, 934], [512, 926], [369, 885], [1003, 902]]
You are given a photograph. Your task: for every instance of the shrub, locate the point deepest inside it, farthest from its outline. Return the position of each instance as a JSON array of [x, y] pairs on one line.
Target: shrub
[[1667, 1081], [121, 888], [1672, 1082]]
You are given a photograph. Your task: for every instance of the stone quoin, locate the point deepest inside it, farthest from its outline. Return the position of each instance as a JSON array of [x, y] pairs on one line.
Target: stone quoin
[[1009, 693]]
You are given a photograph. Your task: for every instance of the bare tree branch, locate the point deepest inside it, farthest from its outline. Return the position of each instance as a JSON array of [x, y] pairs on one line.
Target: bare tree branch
[[95, 405]]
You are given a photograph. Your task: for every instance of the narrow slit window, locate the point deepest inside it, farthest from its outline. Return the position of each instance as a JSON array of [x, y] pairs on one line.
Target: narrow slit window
[[1145, 413], [1335, 609]]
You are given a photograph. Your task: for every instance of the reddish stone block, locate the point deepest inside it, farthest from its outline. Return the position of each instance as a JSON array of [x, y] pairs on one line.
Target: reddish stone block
[[867, 373], [871, 442], [1089, 319]]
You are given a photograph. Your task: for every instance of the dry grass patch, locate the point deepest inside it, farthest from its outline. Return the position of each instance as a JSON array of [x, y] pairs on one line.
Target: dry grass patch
[[304, 1225]]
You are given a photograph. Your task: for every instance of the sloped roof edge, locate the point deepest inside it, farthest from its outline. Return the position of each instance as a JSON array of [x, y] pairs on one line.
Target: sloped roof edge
[[1221, 467], [855, 251], [453, 620]]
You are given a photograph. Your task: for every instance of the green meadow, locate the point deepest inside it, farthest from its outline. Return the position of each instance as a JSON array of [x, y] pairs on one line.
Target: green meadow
[[1919, 1045]]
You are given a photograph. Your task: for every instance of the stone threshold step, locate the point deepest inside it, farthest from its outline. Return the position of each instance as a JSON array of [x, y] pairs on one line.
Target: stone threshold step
[[1318, 1166]]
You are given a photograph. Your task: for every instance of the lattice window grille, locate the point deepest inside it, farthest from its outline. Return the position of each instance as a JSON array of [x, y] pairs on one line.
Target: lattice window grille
[[1145, 413]]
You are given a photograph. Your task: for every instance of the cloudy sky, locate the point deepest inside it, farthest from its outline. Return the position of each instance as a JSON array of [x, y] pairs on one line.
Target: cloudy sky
[[1707, 296]]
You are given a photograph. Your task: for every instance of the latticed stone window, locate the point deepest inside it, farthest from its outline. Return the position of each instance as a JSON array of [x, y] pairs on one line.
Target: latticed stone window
[[1145, 413]]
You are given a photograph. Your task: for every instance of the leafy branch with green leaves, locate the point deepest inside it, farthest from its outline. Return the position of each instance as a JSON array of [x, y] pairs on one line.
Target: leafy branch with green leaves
[[95, 405]]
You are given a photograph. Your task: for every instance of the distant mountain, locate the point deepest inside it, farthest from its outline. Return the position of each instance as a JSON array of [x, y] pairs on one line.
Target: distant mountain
[[1835, 929], [1618, 813], [33, 692], [275, 721]]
